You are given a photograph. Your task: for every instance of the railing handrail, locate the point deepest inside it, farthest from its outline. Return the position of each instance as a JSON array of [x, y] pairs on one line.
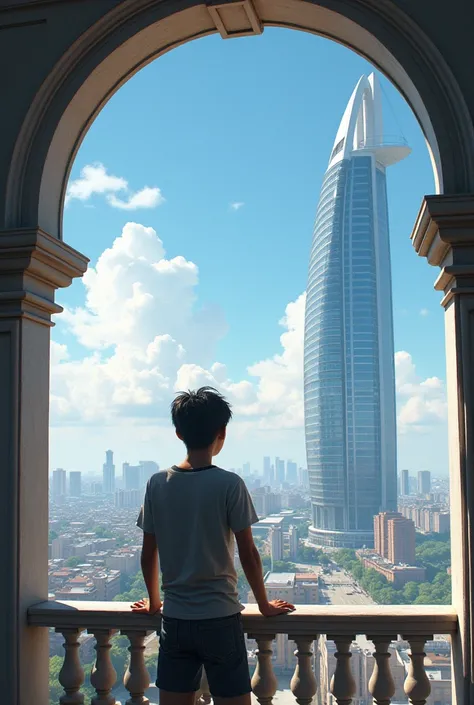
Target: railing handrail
[[306, 620]]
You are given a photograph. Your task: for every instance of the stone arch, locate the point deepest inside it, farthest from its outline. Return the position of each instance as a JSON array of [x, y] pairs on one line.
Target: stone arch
[[134, 33]]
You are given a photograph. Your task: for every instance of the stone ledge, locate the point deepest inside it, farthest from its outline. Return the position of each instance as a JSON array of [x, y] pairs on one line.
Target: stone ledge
[[310, 620]]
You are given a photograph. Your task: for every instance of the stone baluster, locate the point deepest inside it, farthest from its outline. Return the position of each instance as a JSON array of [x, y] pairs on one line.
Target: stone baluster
[[303, 683], [264, 682], [381, 684], [417, 684], [71, 675], [203, 696], [136, 679], [103, 676], [343, 685]]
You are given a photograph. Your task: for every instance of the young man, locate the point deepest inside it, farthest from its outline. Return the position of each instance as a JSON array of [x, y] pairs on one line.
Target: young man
[[191, 514]]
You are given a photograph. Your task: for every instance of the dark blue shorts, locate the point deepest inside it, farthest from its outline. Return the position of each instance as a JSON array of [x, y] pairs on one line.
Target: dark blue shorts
[[186, 645]]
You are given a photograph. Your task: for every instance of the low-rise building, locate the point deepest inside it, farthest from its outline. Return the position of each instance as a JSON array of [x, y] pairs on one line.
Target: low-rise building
[[398, 575]]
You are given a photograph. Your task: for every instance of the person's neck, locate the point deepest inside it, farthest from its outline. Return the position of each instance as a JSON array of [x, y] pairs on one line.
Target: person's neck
[[200, 458]]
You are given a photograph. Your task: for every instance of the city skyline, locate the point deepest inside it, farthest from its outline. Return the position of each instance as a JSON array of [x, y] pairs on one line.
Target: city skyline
[[349, 375], [219, 234]]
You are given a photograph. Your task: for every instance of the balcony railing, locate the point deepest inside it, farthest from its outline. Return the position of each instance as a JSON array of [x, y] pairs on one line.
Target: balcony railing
[[382, 141], [380, 624]]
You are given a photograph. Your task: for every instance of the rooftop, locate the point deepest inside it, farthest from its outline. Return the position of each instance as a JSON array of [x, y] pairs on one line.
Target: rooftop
[[280, 580], [270, 521]]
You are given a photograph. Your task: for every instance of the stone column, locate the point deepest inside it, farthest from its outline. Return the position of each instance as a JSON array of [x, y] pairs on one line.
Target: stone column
[[444, 234], [32, 266]]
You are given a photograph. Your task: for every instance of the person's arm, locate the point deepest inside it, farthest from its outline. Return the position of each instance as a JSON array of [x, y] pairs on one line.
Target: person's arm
[[149, 558], [252, 567], [241, 515], [149, 565]]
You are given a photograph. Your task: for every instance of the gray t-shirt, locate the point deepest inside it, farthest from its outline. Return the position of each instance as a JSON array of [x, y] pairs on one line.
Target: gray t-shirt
[[194, 515]]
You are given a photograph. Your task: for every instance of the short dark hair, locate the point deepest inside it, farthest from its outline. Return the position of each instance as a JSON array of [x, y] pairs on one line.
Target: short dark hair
[[199, 415]]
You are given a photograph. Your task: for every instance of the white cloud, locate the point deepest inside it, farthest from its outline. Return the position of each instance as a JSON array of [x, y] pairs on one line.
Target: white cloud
[[146, 338], [146, 198], [424, 312], [94, 179], [421, 403], [237, 205]]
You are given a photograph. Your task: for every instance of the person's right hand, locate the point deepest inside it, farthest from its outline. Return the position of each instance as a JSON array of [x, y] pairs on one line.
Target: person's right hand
[[271, 609]]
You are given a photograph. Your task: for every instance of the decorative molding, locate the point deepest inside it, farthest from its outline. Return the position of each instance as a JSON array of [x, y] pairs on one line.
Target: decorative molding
[[32, 266], [404, 40], [237, 18], [305, 621], [444, 234]]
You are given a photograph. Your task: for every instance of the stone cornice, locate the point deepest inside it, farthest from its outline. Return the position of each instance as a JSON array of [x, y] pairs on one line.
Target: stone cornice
[[444, 234], [32, 266]]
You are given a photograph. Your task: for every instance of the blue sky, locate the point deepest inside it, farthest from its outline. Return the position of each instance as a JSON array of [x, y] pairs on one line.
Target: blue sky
[[214, 123]]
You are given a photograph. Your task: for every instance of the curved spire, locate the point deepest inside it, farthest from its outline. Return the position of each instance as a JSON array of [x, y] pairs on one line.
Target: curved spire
[[361, 128]]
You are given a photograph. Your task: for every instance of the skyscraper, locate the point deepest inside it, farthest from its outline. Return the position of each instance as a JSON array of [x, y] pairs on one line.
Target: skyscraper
[[75, 483], [424, 482], [131, 476], [59, 483], [108, 473], [291, 472], [147, 469], [279, 471], [267, 470], [405, 488], [349, 375]]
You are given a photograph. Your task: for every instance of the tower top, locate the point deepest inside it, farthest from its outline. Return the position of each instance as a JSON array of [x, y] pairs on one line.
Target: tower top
[[361, 128]]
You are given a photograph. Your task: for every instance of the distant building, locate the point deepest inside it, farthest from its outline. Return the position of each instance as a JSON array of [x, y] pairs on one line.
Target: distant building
[[381, 532], [441, 522], [398, 575], [424, 482], [276, 543], [246, 472], [291, 472], [107, 584], [297, 588], [303, 477], [75, 483], [86, 593], [265, 501], [349, 375], [108, 473], [147, 469], [131, 476], [262, 527], [60, 547], [279, 471], [394, 537], [59, 483], [267, 471], [128, 498], [401, 541], [405, 484], [293, 542], [127, 563]]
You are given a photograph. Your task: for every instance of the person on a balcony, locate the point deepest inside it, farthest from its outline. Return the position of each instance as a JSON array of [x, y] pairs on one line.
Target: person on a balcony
[[191, 513]]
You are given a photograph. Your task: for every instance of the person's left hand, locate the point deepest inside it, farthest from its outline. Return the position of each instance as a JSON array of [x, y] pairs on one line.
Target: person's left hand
[[144, 607]]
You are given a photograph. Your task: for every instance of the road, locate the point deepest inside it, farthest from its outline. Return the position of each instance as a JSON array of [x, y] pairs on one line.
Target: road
[[337, 587]]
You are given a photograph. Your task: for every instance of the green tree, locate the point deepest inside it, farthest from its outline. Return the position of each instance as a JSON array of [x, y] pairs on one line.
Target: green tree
[[73, 561], [102, 533], [410, 592], [283, 567]]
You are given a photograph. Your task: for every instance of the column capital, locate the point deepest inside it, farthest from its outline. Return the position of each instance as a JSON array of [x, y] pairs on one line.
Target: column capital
[[33, 265], [444, 234]]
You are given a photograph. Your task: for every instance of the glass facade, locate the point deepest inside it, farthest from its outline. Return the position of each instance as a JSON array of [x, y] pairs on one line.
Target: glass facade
[[348, 356]]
